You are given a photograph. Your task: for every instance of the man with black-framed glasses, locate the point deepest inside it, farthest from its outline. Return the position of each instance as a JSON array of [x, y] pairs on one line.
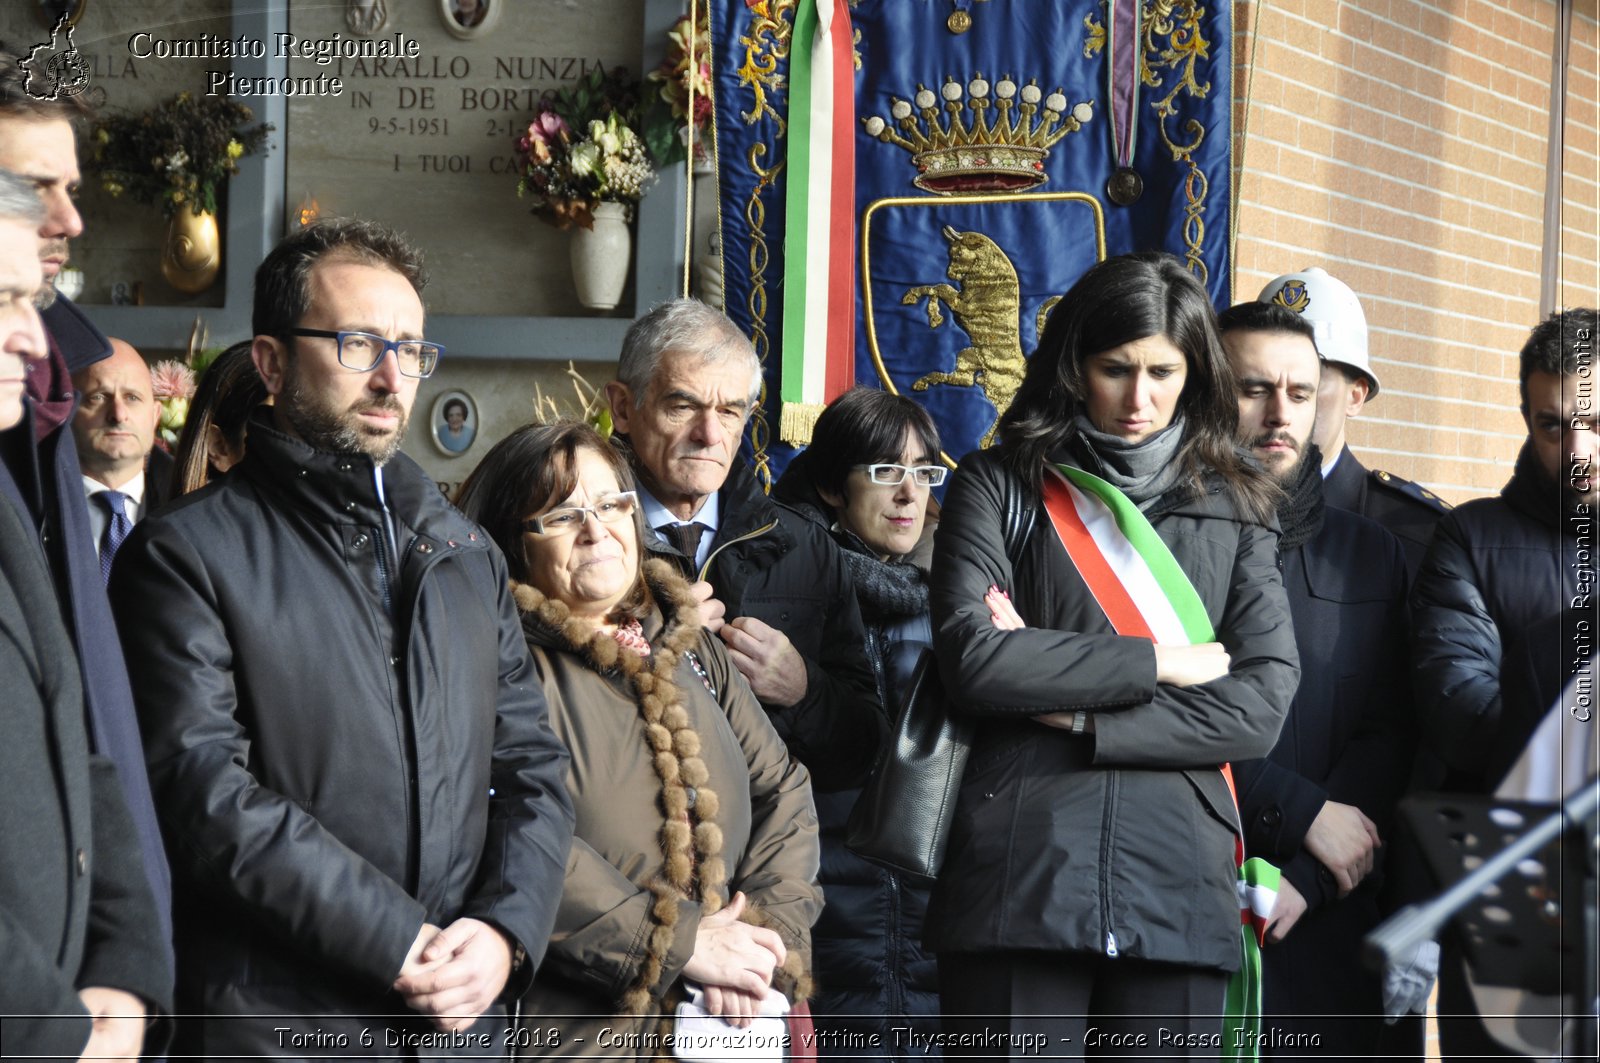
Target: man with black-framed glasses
[[361, 794]]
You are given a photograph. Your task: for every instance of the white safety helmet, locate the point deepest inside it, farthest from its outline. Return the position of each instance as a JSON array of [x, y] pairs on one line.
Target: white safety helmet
[[1334, 314]]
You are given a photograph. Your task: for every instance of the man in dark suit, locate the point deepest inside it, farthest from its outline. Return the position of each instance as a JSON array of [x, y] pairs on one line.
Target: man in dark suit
[[115, 432], [1409, 511], [84, 952], [1320, 803], [686, 384], [39, 469]]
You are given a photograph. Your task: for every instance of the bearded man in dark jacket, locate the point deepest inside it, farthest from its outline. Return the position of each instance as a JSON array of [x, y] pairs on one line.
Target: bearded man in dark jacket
[[356, 779], [1321, 802], [1498, 570], [783, 601]]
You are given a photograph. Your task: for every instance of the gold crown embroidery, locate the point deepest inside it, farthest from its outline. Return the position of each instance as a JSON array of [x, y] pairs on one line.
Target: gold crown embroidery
[[990, 138]]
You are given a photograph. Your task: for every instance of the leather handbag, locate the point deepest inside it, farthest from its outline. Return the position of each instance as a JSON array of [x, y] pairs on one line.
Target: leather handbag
[[902, 819]]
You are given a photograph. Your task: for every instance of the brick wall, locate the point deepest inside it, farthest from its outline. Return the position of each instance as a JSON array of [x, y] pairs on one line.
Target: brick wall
[[1580, 214], [1402, 145]]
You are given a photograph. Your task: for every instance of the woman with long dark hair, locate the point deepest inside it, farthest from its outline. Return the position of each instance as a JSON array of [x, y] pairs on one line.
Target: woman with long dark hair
[[213, 433], [866, 476], [1138, 641]]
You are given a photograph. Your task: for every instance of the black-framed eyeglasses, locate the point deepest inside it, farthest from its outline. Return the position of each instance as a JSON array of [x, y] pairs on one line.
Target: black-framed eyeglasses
[[566, 519], [894, 475], [362, 351]]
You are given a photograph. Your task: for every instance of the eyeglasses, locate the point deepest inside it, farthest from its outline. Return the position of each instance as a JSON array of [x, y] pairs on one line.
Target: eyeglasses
[[894, 475], [567, 519], [362, 351]]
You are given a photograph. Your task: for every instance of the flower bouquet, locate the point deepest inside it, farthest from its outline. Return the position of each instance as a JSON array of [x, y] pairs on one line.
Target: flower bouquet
[[178, 153], [685, 79], [595, 142]]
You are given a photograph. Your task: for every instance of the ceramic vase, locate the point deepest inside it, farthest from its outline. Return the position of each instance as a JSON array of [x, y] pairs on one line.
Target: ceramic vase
[[600, 257]]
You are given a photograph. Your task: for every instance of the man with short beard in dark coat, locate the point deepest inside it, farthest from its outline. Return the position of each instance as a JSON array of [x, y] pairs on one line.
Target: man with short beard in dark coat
[[356, 778], [1320, 803], [1497, 570]]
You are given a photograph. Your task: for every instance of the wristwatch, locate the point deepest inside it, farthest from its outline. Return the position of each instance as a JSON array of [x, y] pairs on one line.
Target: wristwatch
[[1080, 720]]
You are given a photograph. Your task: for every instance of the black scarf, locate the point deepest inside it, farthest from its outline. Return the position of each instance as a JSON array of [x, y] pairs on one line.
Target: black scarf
[[887, 590], [1300, 512]]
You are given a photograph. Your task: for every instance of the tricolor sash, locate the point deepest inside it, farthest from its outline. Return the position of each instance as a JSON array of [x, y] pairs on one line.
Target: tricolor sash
[[1134, 578]]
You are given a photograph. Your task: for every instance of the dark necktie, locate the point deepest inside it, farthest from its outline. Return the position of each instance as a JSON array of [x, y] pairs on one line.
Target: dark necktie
[[686, 537], [117, 529]]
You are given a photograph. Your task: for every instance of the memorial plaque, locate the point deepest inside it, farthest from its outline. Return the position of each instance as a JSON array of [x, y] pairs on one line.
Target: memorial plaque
[[425, 140], [119, 41]]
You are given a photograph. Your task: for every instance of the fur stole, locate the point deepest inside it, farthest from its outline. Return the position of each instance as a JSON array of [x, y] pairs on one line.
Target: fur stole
[[691, 841]]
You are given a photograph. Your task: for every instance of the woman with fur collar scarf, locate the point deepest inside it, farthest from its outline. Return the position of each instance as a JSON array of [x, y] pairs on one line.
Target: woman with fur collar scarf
[[696, 852]]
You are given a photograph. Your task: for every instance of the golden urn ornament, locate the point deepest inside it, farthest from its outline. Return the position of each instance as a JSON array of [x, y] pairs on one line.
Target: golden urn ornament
[[192, 254]]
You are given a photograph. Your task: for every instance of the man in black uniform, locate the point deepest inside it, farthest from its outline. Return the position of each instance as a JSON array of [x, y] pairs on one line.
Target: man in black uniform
[[1407, 510]]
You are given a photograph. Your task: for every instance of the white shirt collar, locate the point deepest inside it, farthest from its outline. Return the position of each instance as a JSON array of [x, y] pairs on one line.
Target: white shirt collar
[[133, 489], [655, 514]]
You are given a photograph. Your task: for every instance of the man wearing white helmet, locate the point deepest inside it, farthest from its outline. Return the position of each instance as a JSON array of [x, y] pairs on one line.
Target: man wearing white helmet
[[1348, 382]]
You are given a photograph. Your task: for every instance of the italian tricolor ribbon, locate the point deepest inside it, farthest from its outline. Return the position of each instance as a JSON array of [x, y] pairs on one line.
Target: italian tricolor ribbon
[[1145, 593], [819, 242]]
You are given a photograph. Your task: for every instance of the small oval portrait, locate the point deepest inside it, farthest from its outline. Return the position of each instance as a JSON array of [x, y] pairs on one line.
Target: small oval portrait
[[454, 422], [469, 18]]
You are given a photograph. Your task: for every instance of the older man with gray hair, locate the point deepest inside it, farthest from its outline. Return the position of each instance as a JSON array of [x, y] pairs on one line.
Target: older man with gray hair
[[687, 382]]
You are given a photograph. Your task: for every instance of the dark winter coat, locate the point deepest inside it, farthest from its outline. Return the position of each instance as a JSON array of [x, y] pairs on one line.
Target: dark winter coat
[[1498, 567], [871, 969], [43, 479], [770, 563], [1349, 737], [75, 909], [1406, 510], [1122, 842], [344, 742]]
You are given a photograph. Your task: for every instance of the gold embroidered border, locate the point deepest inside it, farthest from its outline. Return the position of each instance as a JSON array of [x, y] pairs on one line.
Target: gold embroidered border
[[766, 44]]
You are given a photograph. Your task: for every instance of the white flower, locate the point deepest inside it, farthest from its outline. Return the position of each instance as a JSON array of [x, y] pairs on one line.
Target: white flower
[[585, 157]]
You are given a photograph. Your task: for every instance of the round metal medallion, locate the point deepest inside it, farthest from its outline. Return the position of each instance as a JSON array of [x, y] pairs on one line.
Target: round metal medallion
[[1125, 186], [958, 22]]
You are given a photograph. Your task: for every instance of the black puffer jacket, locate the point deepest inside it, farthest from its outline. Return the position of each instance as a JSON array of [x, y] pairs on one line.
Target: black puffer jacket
[[342, 742], [1123, 842], [770, 563], [871, 970], [1496, 569]]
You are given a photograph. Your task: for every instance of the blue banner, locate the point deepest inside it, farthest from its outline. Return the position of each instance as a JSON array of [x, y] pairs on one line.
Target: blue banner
[[1002, 147]]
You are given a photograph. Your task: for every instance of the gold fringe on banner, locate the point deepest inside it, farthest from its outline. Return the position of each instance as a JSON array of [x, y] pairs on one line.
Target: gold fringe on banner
[[797, 420]]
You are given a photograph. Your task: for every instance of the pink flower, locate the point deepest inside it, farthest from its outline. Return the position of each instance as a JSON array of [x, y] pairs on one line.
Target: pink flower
[[547, 126], [171, 379]]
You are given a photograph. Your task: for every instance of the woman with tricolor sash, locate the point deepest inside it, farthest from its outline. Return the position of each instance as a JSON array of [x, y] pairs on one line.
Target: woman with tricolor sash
[[1137, 642]]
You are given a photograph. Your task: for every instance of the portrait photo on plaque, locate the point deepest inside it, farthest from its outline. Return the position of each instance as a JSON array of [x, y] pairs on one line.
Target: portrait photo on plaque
[[469, 18], [454, 421]]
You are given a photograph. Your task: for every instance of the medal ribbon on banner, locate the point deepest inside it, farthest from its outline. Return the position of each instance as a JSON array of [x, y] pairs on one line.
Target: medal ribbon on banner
[[819, 246]]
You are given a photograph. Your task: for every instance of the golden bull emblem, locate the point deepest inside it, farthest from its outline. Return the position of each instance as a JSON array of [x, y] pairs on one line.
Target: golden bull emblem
[[983, 295], [986, 306]]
